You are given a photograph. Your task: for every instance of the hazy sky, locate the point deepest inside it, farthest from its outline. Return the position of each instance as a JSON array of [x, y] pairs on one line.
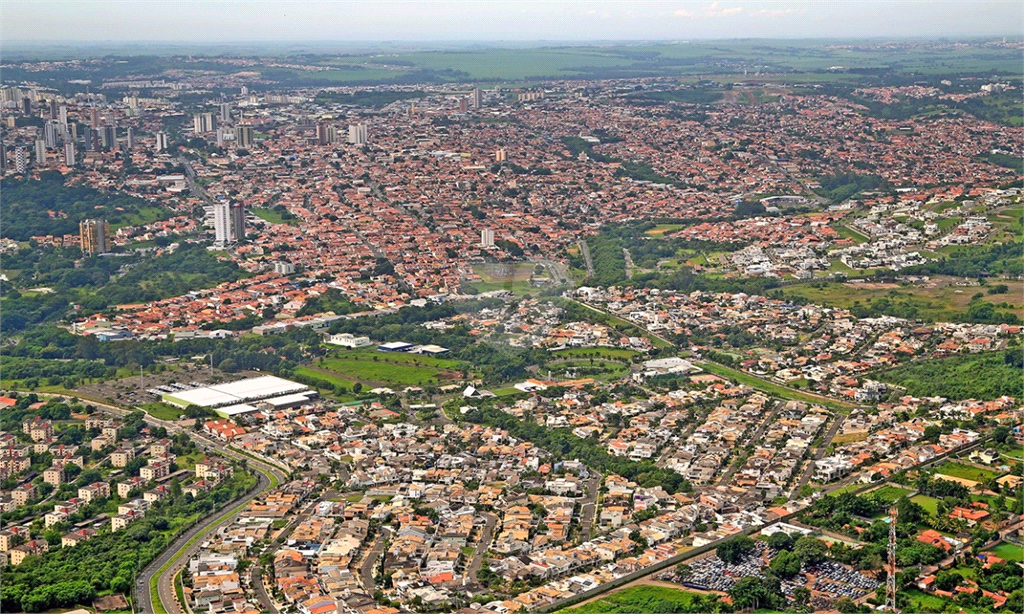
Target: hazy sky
[[497, 20]]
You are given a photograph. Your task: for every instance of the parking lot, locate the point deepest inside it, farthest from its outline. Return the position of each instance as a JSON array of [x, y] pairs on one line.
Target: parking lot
[[136, 390], [827, 581]]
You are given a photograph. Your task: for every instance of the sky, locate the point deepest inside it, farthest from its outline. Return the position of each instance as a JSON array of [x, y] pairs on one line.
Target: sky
[[499, 20]]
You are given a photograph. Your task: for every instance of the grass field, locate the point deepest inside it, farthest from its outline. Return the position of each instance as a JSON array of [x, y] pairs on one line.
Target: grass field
[[890, 493], [597, 352], [842, 438], [385, 372], [638, 599], [921, 601], [598, 369], [1008, 552], [661, 229], [928, 503], [770, 387], [335, 379], [966, 472], [849, 233], [269, 215], [161, 411]]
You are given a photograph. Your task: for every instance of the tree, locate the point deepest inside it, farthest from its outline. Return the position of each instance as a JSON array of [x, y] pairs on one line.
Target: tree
[[734, 550], [845, 605], [780, 541], [810, 550], [786, 564]]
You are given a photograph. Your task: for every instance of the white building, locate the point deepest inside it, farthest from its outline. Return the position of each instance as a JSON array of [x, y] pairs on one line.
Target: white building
[[348, 340], [486, 238]]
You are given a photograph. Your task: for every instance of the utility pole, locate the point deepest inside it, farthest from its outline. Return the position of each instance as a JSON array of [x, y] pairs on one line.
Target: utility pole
[[890, 580]]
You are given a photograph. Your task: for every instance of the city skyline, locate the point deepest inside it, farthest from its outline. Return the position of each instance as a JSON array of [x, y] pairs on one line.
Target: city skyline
[[458, 21]]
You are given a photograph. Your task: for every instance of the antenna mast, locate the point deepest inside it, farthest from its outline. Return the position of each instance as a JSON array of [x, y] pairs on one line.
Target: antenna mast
[[890, 580]]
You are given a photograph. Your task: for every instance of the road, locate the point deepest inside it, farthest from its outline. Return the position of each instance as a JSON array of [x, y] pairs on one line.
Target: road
[[837, 421], [588, 510], [256, 574], [482, 545], [629, 263], [374, 553], [586, 256], [165, 585], [734, 467]]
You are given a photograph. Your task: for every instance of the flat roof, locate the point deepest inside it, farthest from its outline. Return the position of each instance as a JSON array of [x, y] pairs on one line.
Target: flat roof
[[234, 410], [236, 393]]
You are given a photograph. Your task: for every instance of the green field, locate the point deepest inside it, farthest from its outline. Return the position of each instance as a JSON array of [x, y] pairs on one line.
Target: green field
[[661, 229], [849, 233], [161, 411], [770, 387], [640, 600], [269, 215], [1008, 552], [930, 504], [921, 601], [598, 369], [596, 352], [969, 376], [400, 373], [941, 302], [890, 493], [966, 472]]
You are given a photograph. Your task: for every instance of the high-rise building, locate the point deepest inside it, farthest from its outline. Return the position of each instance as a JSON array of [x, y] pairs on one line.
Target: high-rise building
[[228, 223], [20, 159], [52, 106], [26, 106], [325, 133], [357, 134], [243, 137], [3, 157], [40, 152], [204, 122], [238, 223], [50, 134], [244, 91], [486, 238], [108, 137], [69, 153], [94, 117], [94, 235], [63, 114], [463, 105], [478, 98], [500, 155], [130, 137], [225, 112], [89, 139], [161, 141], [222, 223]]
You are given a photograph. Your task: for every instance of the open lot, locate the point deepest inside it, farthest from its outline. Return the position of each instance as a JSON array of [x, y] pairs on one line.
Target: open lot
[[930, 504], [967, 472], [890, 493], [939, 299]]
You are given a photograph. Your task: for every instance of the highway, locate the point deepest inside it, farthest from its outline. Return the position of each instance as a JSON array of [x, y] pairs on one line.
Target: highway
[[165, 585]]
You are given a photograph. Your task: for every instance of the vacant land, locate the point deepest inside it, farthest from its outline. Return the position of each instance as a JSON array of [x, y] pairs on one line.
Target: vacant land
[[597, 352], [972, 376], [938, 300], [161, 411], [890, 493], [930, 504], [967, 472], [640, 599], [400, 373]]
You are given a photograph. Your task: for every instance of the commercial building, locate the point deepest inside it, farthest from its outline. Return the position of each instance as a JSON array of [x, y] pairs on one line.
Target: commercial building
[[244, 391]]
